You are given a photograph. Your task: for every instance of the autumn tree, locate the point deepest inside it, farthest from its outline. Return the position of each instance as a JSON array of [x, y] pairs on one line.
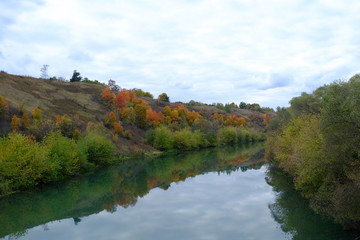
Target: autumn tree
[[108, 95], [112, 117], [118, 129], [3, 105], [235, 121], [120, 101], [266, 119], [193, 116], [153, 118], [37, 114], [26, 121], [14, 123]]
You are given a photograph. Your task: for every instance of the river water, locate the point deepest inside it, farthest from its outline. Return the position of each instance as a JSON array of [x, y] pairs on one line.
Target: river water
[[220, 193]]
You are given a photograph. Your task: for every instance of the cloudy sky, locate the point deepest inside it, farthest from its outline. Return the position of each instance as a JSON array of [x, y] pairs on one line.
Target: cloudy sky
[[206, 50]]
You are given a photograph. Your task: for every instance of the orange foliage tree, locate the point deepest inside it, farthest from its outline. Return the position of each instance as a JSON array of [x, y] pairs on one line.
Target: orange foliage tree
[[153, 118], [120, 101], [235, 121], [108, 95], [192, 117], [118, 128]]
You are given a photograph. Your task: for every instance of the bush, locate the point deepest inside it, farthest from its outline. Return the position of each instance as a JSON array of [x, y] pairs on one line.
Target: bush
[[23, 163], [160, 138], [65, 155], [227, 135], [187, 140], [99, 150]]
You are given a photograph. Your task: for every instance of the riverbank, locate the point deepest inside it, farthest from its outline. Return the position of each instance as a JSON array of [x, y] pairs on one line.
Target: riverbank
[[316, 141]]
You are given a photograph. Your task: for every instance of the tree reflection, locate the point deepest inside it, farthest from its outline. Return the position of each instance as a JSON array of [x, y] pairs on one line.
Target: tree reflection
[[291, 211], [121, 186]]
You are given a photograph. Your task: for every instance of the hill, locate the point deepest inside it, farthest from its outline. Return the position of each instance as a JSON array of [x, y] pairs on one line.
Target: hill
[[83, 103]]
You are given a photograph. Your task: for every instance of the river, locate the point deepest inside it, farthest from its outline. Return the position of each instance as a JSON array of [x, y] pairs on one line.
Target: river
[[219, 193]]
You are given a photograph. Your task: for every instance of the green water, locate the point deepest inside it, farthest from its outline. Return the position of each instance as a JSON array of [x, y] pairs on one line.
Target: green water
[[220, 193]]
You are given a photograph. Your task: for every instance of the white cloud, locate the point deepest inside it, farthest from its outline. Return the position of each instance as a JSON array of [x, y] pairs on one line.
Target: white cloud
[[211, 51]]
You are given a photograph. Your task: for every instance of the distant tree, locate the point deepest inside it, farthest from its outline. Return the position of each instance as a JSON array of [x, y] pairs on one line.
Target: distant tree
[[3, 105], [14, 123], [120, 101], [44, 73], [25, 119], [164, 97], [37, 114], [140, 92], [75, 77], [112, 85], [140, 115], [242, 105], [108, 95]]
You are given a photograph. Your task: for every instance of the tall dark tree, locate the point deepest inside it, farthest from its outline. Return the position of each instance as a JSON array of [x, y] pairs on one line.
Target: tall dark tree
[[75, 77]]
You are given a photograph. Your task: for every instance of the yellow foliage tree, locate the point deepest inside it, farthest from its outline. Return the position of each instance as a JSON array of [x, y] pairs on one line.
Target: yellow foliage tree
[[14, 123], [3, 105], [25, 119], [37, 114]]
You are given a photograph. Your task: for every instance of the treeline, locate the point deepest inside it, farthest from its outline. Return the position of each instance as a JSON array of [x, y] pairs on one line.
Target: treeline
[[163, 138], [26, 163], [316, 140]]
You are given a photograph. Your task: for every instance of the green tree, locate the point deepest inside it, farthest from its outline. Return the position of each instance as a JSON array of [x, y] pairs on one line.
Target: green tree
[[75, 77], [164, 97], [242, 105]]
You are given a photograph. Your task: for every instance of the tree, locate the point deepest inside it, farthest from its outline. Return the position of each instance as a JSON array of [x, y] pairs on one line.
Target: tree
[[242, 105], [37, 114], [140, 115], [14, 123], [112, 85], [3, 105], [44, 73], [108, 95], [120, 101], [25, 118], [164, 97], [75, 77]]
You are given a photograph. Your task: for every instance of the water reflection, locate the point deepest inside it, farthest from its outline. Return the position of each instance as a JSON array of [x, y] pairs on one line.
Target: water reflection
[[121, 186], [218, 204], [291, 211]]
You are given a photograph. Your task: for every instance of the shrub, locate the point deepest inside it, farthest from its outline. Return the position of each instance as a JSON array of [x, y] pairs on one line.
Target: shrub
[[99, 150], [23, 163], [160, 138], [65, 155], [185, 140], [227, 135]]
